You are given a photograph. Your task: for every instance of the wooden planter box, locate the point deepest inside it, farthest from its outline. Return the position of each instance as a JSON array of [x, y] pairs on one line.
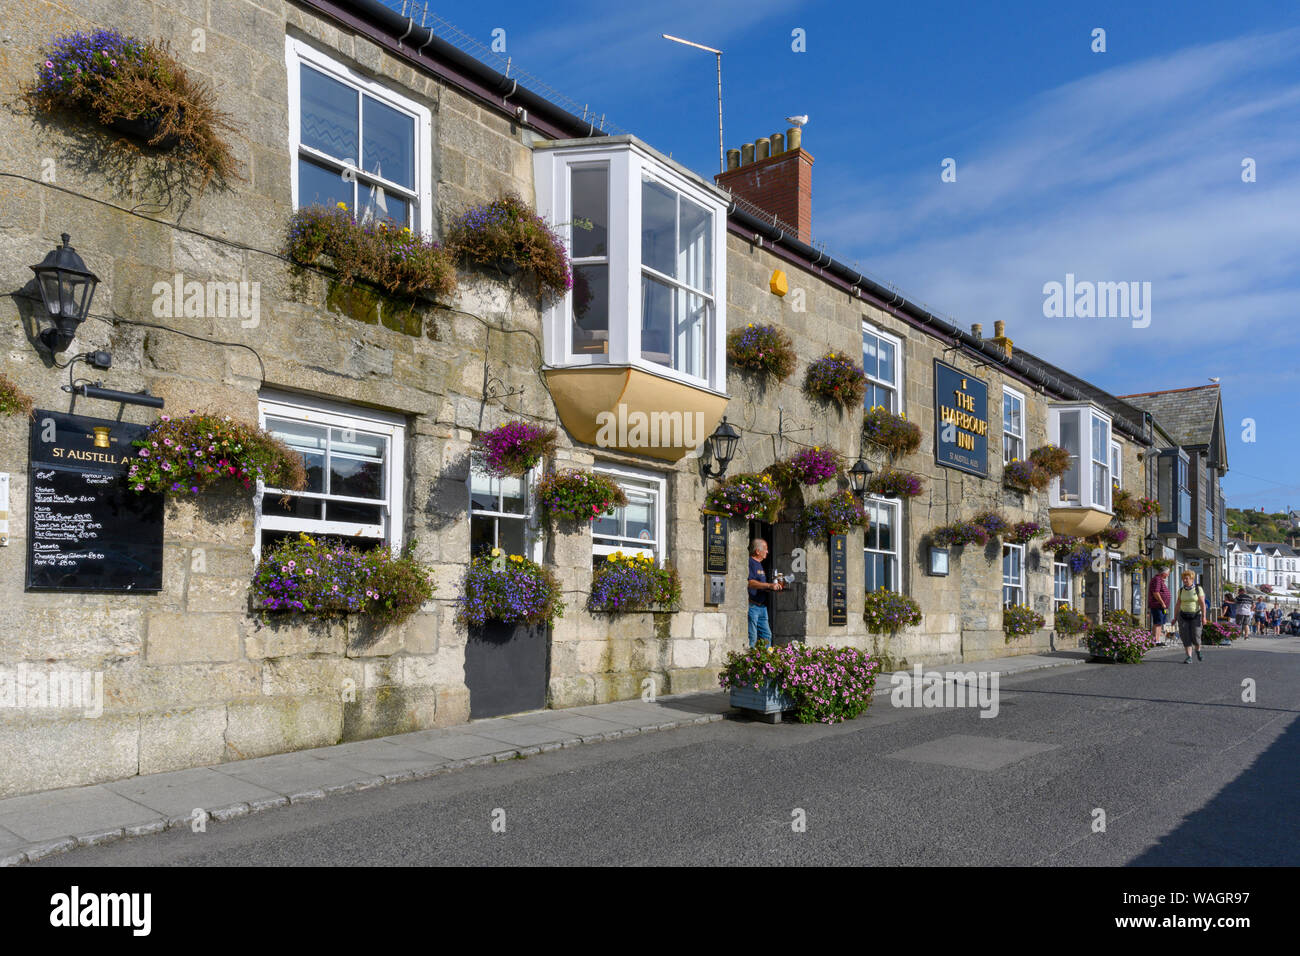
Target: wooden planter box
[[767, 703]]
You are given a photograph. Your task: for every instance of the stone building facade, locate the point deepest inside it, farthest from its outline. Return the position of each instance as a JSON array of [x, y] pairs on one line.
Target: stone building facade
[[190, 674]]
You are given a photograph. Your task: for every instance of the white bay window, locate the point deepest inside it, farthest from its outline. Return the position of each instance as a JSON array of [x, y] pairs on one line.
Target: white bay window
[[1084, 432], [647, 241]]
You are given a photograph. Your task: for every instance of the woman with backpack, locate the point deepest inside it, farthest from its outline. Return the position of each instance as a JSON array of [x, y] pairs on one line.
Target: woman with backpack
[[1190, 601]]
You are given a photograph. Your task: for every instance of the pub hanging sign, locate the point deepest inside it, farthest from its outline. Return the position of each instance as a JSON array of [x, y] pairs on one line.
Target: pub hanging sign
[[961, 420], [87, 530]]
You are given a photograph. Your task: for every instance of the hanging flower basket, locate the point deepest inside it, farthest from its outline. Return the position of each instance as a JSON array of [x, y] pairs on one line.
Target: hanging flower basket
[[578, 495], [891, 430], [1112, 536], [959, 533], [892, 483], [515, 448], [1025, 476], [994, 524], [834, 515], [747, 497], [1052, 459], [1069, 550], [506, 235], [764, 349], [137, 88], [197, 452], [812, 466], [1024, 532], [1130, 507], [836, 379]]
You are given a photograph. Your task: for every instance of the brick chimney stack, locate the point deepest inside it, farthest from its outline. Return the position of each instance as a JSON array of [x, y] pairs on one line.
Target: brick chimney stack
[[775, 174]]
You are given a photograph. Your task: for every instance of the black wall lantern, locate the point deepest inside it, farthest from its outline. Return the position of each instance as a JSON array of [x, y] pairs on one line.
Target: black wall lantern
[[1152, 542], [67, 287], [858, 476], [722, 443]]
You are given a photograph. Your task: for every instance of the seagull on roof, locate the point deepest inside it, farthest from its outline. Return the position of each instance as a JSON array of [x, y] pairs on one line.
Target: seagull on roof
[[797, 120]]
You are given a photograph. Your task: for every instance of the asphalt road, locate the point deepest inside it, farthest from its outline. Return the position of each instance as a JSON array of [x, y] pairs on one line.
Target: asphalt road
[[1186, 772]]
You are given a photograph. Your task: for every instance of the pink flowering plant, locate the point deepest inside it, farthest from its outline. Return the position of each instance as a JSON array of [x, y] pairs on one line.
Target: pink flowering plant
[[1019, 620], [1112, 535], [632, 582], [893, 483], [814, 466], [512, 449], [887, 611], [1023, 532], [891, 430], [1121, 643], [507, 233], [762, 348], [1219, 632], [959, 533], [1025, 476], [836, 514], [745, 496], [836, 379], [1130, 507], [195, 452], [576, 494], [386, 255], [508, 588], [825, 684], [321, 578]]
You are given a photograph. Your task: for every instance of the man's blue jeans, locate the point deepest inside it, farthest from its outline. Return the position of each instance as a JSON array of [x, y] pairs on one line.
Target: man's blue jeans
[[758, 624]]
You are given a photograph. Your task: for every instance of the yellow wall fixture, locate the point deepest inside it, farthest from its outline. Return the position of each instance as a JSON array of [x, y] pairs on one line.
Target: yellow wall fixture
[[779, 285]]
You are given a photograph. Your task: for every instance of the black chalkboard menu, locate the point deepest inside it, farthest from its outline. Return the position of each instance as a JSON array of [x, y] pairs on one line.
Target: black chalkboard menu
[[86, 529], [715, 544], [839, 580]]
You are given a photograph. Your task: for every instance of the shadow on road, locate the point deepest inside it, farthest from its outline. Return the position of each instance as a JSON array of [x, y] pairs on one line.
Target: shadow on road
[[1254, 821]]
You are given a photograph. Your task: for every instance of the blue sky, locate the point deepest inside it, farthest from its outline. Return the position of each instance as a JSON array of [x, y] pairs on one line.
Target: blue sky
[[1117, 166]]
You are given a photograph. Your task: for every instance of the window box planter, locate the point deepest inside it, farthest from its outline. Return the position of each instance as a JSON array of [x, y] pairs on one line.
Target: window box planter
[[767, 702]]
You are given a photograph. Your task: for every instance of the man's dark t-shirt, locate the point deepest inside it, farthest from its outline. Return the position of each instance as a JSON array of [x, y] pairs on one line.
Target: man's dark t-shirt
[[756, 573]]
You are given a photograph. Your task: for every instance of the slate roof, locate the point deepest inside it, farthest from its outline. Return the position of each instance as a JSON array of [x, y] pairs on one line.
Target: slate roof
[[1187, 414]]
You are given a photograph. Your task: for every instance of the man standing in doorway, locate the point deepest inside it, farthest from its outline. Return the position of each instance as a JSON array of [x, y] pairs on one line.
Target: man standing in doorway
[[1158, 601], [758, 583]]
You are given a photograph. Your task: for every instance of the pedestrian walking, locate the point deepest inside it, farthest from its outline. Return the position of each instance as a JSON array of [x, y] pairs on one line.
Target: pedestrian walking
[[1191, 615], [1261, 608], [1243, 611], [759, 628], [1158, 601]]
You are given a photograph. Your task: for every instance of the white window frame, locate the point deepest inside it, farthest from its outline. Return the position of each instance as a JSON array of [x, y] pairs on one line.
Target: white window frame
[[897, 388], [296, 53], [334, 414], [1008, 392], [1117, 591], [628, 161], [894, 554], [1087, 456], [1116, 465], [659, 488], [1019, 583], [1057, 568], [532, 540]]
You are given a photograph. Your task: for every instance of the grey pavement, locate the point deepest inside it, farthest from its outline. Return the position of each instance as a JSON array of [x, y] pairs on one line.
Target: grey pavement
[[34, 826]]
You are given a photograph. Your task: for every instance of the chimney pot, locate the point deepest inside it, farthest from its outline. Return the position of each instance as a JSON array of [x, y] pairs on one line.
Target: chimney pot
[[733, 158], [746, 154], [762, 148], [977, 330], [778, 144], [999, 329], [793, 138]]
